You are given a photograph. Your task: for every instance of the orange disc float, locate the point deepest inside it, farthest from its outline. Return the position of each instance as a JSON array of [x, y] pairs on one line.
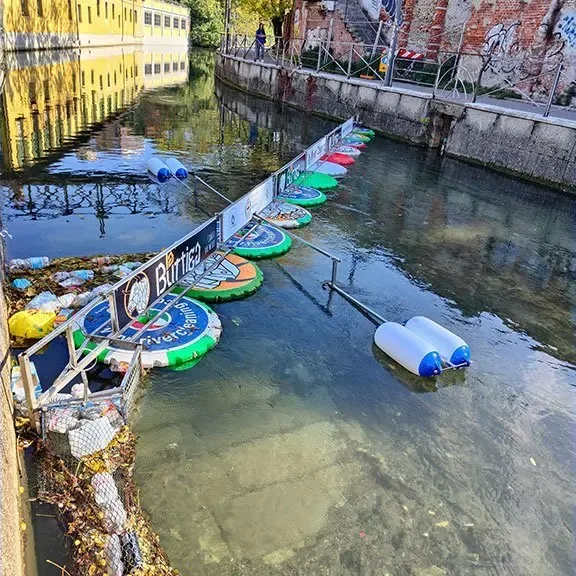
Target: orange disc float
[[234, 277]]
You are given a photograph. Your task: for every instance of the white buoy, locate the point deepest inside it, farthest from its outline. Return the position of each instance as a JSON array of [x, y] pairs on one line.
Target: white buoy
[[451, 347], [408, 349], [177, 168], [159, 169], [329, 168]]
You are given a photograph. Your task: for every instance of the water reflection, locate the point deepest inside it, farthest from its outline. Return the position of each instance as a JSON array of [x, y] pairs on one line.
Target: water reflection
[[52, 98]]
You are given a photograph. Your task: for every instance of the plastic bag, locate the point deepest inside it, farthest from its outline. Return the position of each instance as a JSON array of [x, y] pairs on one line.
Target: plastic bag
[[113, 552], [92, 436], [79, 274], [71, 282], [82, 299], [105, 490], [31, 323], [17, 385], [29, 263], [115, 516], [46, 301], [21, 283]]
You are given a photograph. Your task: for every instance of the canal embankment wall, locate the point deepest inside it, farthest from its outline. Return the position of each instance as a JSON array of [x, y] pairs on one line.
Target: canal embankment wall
[[11, 541], [516, 142]]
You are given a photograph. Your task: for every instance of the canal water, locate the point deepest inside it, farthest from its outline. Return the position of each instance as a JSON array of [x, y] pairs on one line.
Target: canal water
[[296, 447]]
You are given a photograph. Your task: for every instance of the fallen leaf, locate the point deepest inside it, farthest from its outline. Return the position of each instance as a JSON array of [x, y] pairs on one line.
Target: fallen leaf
[[431, 512], [443, 524], [532, 461]]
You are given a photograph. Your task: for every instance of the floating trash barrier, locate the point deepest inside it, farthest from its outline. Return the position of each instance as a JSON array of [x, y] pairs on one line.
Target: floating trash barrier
[[177, 168], [183, 334], [263, 242], [336, 158], [158, 169], [303, 196], [316, 180], [329, 168], [233, 278], [286, 215]]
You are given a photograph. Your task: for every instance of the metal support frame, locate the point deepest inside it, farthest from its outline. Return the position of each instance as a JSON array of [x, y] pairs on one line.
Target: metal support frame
[[553, 90]]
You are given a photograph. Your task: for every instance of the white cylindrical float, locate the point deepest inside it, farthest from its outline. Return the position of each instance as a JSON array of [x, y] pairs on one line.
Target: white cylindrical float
[[177, 168], [334, 170], [408, 349], [451, 347], [158, 169]]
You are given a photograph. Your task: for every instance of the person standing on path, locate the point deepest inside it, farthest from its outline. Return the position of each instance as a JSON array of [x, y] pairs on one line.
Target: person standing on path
[[260, 43]]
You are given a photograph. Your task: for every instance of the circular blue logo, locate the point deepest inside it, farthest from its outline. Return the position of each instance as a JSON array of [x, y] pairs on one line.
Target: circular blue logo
[[183, 324], [262, 237]]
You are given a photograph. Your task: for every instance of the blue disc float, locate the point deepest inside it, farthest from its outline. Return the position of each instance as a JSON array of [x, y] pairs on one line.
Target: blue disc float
[[303, 196], [180, 336], [263, 242]]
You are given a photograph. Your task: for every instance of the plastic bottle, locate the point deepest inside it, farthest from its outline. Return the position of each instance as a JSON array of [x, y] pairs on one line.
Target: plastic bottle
[[34, 263], [21, 283], [80, 274], [102, 260]]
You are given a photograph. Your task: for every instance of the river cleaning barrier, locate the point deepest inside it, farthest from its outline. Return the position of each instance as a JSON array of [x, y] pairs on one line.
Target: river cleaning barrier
[[134, 295]]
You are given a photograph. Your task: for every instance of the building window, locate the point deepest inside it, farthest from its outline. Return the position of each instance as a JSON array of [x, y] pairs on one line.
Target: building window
[[182, 65], [135, 17], [156, 68], [135, 71], [40, 7], [174, 66], [73, 81], [125, 13], [83, 77], [114, 78], [167, 67], [32, 92], [98, 8], [113, 10], [25, 8], [108, 79], [47, 90], [148, 69], [166, 21], [183, 24], [106, 10], [157, 20], [101, 82], [148, 18], [89, 14], [69, 9], [130, 15], [79, 13], [176, 23], [92, 77]]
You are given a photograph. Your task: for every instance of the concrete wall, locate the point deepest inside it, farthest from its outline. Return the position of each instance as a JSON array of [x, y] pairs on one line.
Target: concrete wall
[[531, 147]]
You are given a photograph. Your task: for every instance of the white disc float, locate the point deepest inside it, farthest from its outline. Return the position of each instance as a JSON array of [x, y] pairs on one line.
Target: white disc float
[[286, 215], [180, 336], [330, 169], [348, 150]]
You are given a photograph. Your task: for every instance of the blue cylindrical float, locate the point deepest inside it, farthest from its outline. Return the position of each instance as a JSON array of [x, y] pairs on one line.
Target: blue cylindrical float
[[159, 169], [408, 349], [451, 347], [177, 168]]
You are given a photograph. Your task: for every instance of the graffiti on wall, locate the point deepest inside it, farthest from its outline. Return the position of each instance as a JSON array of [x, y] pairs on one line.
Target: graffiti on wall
[[500, 40], [567, 29]]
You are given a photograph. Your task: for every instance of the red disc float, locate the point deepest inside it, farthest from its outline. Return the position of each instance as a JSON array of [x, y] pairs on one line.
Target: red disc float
[[337, 158]]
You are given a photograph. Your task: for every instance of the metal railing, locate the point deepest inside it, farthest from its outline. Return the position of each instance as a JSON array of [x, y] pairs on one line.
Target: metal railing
[[543, 88]]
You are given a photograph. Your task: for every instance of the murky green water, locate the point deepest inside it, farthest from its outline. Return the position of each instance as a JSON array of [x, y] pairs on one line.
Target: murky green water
[[296, 447]]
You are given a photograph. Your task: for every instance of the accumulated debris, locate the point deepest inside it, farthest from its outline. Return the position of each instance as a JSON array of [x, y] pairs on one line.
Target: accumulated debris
[[87, 457], [43, 293]]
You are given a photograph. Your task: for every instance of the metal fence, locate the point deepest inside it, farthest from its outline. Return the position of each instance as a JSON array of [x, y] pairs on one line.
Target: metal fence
[[489, 77]]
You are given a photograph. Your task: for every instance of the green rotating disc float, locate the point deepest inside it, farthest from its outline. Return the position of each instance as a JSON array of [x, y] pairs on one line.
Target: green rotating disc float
[[359, 131], [361, 136], [232, 279], [265, 241], [316, 180], [303, 196], [180, 336]]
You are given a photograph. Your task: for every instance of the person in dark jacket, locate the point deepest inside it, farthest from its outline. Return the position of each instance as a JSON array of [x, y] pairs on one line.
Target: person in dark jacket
[[260, 43]]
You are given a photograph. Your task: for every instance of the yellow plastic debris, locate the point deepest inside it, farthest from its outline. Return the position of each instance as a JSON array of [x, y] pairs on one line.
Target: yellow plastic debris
[[31, 323], [443, 524]]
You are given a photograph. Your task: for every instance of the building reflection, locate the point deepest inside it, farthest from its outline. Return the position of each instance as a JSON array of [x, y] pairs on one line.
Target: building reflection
[[51, 100]]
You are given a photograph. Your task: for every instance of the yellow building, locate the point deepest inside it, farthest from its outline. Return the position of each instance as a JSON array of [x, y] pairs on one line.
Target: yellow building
[[51, 98], [40, 24]]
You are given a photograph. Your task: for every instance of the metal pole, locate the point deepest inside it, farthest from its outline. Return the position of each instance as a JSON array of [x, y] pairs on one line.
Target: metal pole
[[27, 381], [319, 56], [334, 271], [356, 303], [330, 29], [376, 40], [437, 80], [553, 90], [350, 61], [227, 24], [392, 53], [113, 314]]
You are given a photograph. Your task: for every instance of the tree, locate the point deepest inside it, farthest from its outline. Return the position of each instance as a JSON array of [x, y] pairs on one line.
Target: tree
[[273, 10], [206, 21]]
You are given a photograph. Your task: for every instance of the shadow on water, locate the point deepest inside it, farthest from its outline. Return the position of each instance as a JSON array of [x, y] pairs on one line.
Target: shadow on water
[[297, 447]]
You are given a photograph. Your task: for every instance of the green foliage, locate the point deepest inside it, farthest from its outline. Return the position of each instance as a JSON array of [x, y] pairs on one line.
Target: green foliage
[[206, 22], [267, 9]]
